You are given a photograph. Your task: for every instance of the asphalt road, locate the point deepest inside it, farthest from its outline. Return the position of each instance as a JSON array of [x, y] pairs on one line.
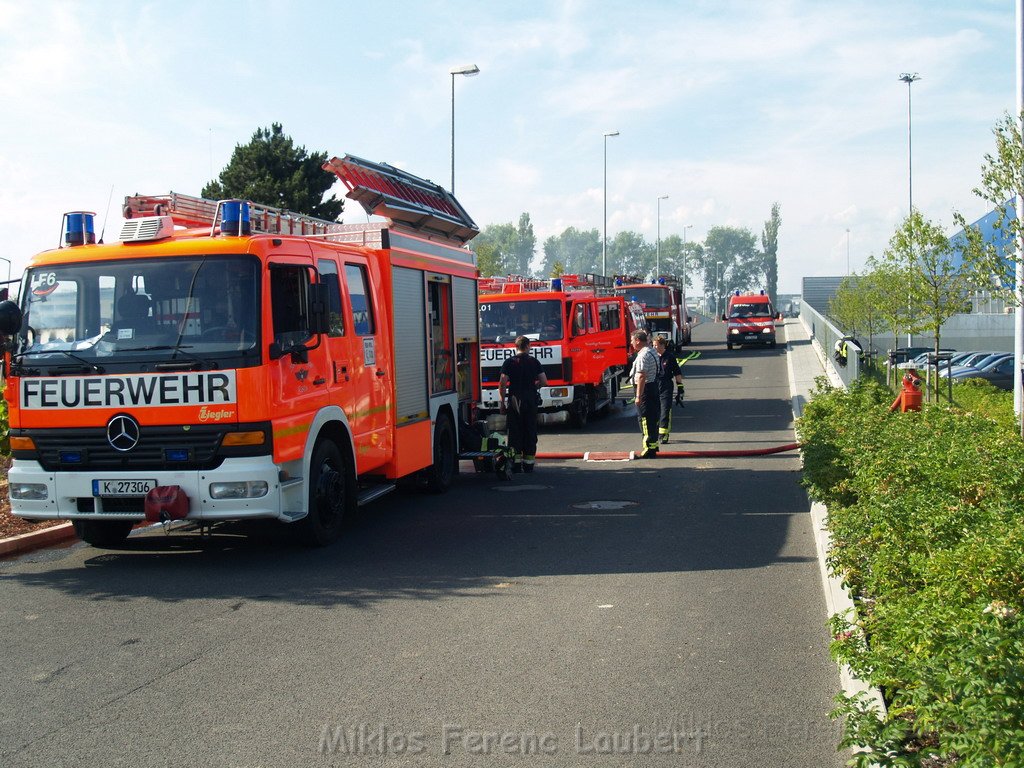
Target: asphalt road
[[665, 612]]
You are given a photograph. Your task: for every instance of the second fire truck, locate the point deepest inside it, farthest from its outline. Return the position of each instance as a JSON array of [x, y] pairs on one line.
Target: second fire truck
[[579, 332]]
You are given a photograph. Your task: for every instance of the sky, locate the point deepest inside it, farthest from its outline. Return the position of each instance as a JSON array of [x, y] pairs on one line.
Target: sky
[[724, 106]]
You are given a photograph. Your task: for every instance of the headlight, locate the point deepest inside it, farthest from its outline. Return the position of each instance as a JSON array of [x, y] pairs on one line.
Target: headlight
[[734, 330], [28, 491], [766, 330], [558, 392], [247, 489]]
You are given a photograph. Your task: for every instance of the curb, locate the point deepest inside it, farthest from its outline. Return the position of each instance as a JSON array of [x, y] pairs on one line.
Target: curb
[[26, 542], [837, 596]]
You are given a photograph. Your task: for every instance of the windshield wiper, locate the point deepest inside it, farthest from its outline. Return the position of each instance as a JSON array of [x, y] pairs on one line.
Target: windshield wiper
[[192, 359], [86, 364]]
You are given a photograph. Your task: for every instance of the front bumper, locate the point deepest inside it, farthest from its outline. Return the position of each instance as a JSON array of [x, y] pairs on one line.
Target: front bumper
[[69, 495], [553, 398]]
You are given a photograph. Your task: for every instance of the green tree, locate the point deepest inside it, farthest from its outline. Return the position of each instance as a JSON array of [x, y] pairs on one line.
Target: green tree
[[854, 307], [487, 260], [770, 247], [524, 245], [741, 263], [272, 171], [892, 285], [939, 283], [630, 254], [497, 243], [578, 251], [1002, 181]]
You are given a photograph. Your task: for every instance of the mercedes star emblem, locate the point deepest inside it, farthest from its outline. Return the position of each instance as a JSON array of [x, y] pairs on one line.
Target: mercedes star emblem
[[123, 433]]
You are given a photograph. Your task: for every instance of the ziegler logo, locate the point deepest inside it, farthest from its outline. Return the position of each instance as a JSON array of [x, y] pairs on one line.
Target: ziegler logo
[[208, 414]]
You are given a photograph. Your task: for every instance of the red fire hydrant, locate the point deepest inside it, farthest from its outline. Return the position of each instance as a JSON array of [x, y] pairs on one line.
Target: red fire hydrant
[[909, 398]]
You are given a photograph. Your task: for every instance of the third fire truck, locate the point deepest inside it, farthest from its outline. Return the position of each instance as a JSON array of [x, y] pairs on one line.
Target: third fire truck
[[579, 332], [664, 305]]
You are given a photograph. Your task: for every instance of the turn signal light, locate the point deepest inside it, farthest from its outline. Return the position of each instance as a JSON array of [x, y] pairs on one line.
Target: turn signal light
[[244, 438], [22, 444]]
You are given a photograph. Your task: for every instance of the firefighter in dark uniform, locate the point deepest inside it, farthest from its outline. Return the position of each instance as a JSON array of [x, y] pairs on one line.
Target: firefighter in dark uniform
[[521, 375], [669, 375]]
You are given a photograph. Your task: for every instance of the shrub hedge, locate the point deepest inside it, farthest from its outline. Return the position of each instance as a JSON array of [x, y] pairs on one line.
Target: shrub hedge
[[925, 512]]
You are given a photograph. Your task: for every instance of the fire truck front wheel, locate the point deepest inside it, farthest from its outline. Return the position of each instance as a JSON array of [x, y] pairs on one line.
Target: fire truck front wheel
[[329, 500], [580, 413], [103, 533], [441, 474]]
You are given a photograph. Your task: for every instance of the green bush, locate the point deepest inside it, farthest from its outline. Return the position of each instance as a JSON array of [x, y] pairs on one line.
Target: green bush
[[926, 517]]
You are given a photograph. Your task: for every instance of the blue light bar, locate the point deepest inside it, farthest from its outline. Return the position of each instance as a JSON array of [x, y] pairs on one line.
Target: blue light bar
[[661, 281], [234, 219], [79, 228], [176, 454], [556, 284]]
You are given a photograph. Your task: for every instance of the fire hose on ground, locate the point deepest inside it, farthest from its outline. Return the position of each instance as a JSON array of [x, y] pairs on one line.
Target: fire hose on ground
[[629, 455]]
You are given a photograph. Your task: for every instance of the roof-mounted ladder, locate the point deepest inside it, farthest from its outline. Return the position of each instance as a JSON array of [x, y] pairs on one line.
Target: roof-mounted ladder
[[190, 211]]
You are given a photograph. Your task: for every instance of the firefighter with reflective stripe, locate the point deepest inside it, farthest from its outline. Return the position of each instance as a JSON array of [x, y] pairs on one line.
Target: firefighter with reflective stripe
[[644, 375], [521, 375], [669, 375]]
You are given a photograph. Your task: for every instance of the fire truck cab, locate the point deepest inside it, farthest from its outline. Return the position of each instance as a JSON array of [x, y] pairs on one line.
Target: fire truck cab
[[226, 361], [750, 319], [579, 333], [664, 305]]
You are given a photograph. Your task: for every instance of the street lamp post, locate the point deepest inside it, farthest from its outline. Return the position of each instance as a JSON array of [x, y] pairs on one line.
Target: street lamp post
[[909, 78], [683, 275], [657, 266], [467, 71], [847, 251], [718, 290], [604, 238]]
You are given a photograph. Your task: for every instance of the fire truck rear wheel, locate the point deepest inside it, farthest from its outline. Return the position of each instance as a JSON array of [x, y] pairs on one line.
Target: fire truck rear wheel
[[441, 474], [329, 500], [103, 533]]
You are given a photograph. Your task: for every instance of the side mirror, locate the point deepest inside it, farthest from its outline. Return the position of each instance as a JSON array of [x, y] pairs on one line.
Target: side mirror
[[724, 317], [319, 317], [10, 318]]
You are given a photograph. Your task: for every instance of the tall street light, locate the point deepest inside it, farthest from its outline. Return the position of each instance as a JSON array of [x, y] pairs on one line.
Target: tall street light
[[718, 290], [909, 78], [847, 251], [604, 239], [685, 227], [657, 267], [467, 71]]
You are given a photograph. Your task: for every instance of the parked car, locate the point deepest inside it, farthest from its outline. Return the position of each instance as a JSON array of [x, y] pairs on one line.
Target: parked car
[[979, 365], [967, 360], [999, 374]]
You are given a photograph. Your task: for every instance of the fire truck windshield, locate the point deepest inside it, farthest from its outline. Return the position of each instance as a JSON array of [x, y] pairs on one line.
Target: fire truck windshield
[[537, 319], [749, 310], [201, 308], [648, 295]]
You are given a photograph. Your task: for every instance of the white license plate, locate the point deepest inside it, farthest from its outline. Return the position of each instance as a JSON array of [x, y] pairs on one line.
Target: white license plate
[[122, 487]]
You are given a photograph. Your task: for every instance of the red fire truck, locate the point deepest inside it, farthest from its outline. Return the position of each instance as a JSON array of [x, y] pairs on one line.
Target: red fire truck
[[579, 331], [750, 319], [226, 361], [663, 302]]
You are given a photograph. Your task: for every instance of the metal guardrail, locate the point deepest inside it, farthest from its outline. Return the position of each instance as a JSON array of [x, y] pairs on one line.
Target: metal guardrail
[[827, 334]]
